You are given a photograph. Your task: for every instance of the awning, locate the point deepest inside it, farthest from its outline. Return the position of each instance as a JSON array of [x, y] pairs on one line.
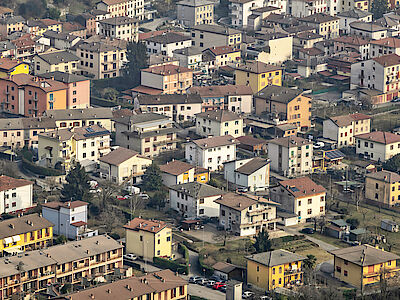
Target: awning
[[13, 250], [8, 240], [16, 238]]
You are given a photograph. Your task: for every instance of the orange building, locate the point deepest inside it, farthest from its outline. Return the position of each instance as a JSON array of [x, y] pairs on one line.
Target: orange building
[[30, 95]]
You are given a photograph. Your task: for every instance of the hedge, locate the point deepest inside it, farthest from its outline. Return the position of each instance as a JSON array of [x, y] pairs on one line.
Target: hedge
[[170, 264], [209, 271], [182, 249], [34, 168]]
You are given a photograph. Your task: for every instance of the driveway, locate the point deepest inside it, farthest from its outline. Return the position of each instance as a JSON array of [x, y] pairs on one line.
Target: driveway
[[323, 245]]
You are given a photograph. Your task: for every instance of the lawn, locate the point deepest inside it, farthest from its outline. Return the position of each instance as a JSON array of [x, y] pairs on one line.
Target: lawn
[[386, 121]]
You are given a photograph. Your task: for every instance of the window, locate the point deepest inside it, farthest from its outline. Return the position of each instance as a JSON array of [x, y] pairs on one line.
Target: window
[[338, 269], [201, 211], [321, 209], [309, 211], [223, 213], [141, 238], [273, 270], [345, 273], [309, 201], [168, 238]]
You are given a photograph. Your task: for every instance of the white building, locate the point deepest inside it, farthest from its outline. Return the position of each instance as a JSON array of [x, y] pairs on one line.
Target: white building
[[291, 156], [123, 28], [368, 30], [350, 16], [194, 12], [305, 8], [378, 145], [190, 57], [211, 153], [240, 10], [244, 215], [16, 195], [167, 43], [69, 218], [219, 122], [250, 173], [384, 46], [127, 8], [195, 199], [342, 129], [300, 196]]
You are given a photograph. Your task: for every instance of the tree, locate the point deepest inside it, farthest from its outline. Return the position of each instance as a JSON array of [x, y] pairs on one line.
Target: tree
[[32, 9], [158, 199], [354, 223], [61, 239], [108, 193], [263, 243], [110, 93], [310, 261], [137, 60], [378, 8], [53, 13], [77, 186], [392, 164], [152, 180], [112, 218]]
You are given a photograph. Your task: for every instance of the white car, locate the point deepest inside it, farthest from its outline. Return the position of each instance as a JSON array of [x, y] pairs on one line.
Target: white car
[[247, 295], [130, 256], [144, 196]]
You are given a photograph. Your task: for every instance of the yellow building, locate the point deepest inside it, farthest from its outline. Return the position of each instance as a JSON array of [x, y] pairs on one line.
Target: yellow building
[[363, 5], [201, 175], [56, 60], [12, 67], [258, 75], [383, 187], [278, 268], [39, 27], [364, 265], [223, 55], [148, 238], [25, 233]]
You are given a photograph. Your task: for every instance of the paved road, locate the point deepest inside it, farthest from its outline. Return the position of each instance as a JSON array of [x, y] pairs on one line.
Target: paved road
[[321, 244], [205, 292], [194, 269]]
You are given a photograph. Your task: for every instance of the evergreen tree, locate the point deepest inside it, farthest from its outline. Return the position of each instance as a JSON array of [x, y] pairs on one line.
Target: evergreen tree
[[310, 261], [158, 200], [152, 180], [77, 186], [392, 164], [378, 8], [137, 59], [263, 243]]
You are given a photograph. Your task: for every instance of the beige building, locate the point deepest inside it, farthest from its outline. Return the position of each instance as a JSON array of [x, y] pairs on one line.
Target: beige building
[[122, 165], [279, 45], [101, 59], [342, 129], [118, 8], [56, 60], [123, 28], [245, 215], [300, 196], [206, 36], [325, 25], [195, 12], [378, 145], [147, 133], [291, 155], [148, 238], [11, 24], [383, 188], [219, 122]]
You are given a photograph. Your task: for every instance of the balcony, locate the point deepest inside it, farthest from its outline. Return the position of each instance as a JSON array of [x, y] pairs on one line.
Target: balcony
[[293, 272], [378, 273]]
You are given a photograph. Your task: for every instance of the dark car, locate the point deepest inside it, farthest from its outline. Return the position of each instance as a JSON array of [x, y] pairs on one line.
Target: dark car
[[307, 230]]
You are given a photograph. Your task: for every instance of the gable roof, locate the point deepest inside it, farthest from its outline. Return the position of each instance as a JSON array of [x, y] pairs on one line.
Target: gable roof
[[354, 13], [169, 99], [224, 267], [387, 42], [217, 29], [241, 202], [388, 60], [117, 21], [257, 67], [381, 137], [63, 77], [319, 18], [369, 27], [290, 141], [253, 165], [8, 183], [70, 204], [8, 64], [153, 226], [80, 114], [385, 176], [120, 155], [219, 115], [364, 255], [167, 38], [251, 141], [279, 93], [215, 141], [23, 224], [168, 69], [57, 57], [275, 258], [302, 187], [176, 167], [221, 90], [197, 190], [222, 50]]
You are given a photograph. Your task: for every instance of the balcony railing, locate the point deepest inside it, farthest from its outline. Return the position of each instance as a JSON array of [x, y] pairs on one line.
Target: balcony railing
[[293, 271]]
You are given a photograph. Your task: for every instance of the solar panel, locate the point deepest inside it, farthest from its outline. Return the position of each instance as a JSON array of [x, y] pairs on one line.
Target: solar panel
[[334, 154], [294, 189], [89, 129]]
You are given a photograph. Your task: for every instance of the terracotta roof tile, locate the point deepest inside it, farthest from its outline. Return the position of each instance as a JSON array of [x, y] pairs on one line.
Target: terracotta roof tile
[[215, 141], [388, 60], [302, 187], [8, 183], [176, 167], [70, 204], [153, 226], [168, 69], [381, 137]]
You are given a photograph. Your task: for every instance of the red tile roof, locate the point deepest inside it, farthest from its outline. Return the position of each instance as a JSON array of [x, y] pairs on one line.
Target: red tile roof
[[176, 167], [168, 69], [145, 35], [70, 204], [302, 187], [381, 137], [8, 183], [222, 50], [388, 60], [9, 64], [153, 226], [141, 89], [388, 42], [78, 224]]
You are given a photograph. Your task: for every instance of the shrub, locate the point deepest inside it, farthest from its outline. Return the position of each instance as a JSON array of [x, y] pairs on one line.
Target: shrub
[[208, 271], [170, 264], [182, 249], [30, 166]]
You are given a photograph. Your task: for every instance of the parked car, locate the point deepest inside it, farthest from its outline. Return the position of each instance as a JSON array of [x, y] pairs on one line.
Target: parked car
[[223, 288], [193, 279], [265, 298], [122, 197], [247, 295], [130, 256], [217, 285], [201, 281], [215, 278], [307, 230], [144, 196], [211, 283]]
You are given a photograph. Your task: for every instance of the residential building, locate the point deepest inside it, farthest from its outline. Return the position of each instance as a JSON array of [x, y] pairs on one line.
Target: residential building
[[244, 214], [377, 145], [69, 218], [39, 27], [195, 199], [59, 148], [228, 271], [123, 165], [284, 105], [190, 57], [384, 46], [235, 98], [88, 258], [101, 59], [206, 36], [242, 10], [211, 153], [10, 67], [222, 56], [195, 12], [16, 195], [11, 24], [148, 133], [258, 75], [30, 95], [368, 30], [325, 25], [353, 43], [350, 16], [89, 20], [272, 48], [250, 174], [343, 129], [378, 73], [166, 43], [70, 118], [382, 188], [57, 60], [252, 144], [127, 8], [277, 268], [177, 172], [78, 88], [148, 238], [300, 196], [166, 79], [153, 285], [178, 108], [218, 123], [25, 233], [291, 155], [306, 39], [363, 265], [123, 28], [301, 9], [25, 46]]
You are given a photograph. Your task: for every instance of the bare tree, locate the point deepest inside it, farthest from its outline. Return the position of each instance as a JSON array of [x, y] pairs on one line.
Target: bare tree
[[8, 168], [107, 194], [112, 217]]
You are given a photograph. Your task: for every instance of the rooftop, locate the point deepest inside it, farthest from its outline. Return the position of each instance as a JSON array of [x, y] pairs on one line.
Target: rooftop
[[290, 141], [141, 118], [219, 115], [319, 18], [64, 77], [279, 93], [168, 69], [120, 155], [258, 67], [118, 21], [381, 137], [218, 29], [23, 224], [275, 258], [391, 42], [388, 60], [385, 176], [302, 187], [69, 205], [221, 90], [176, 167], [168, 38], [46, 85], [346, 120], [253, 165], [80, 114], [153, 226], [364, 255], [86, 132], [215, 141], [241, 202], [8, 64], [197, 190], [353, 40], [252, 141], [9, 183], [369, 27], [57, 57], [222, 50], [354, 13], [169, 99]]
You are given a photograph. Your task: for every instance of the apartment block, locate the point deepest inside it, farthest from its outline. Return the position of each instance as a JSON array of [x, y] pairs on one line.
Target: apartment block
[[16, 195], [218, 123], [127, 8], [57, 60], [383, 188], [194, 12], [206, 36], [166, 43], [377, 145], [123, 28]]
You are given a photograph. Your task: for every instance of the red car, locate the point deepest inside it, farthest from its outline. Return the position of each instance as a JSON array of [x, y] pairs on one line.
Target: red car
[[217, 285]]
